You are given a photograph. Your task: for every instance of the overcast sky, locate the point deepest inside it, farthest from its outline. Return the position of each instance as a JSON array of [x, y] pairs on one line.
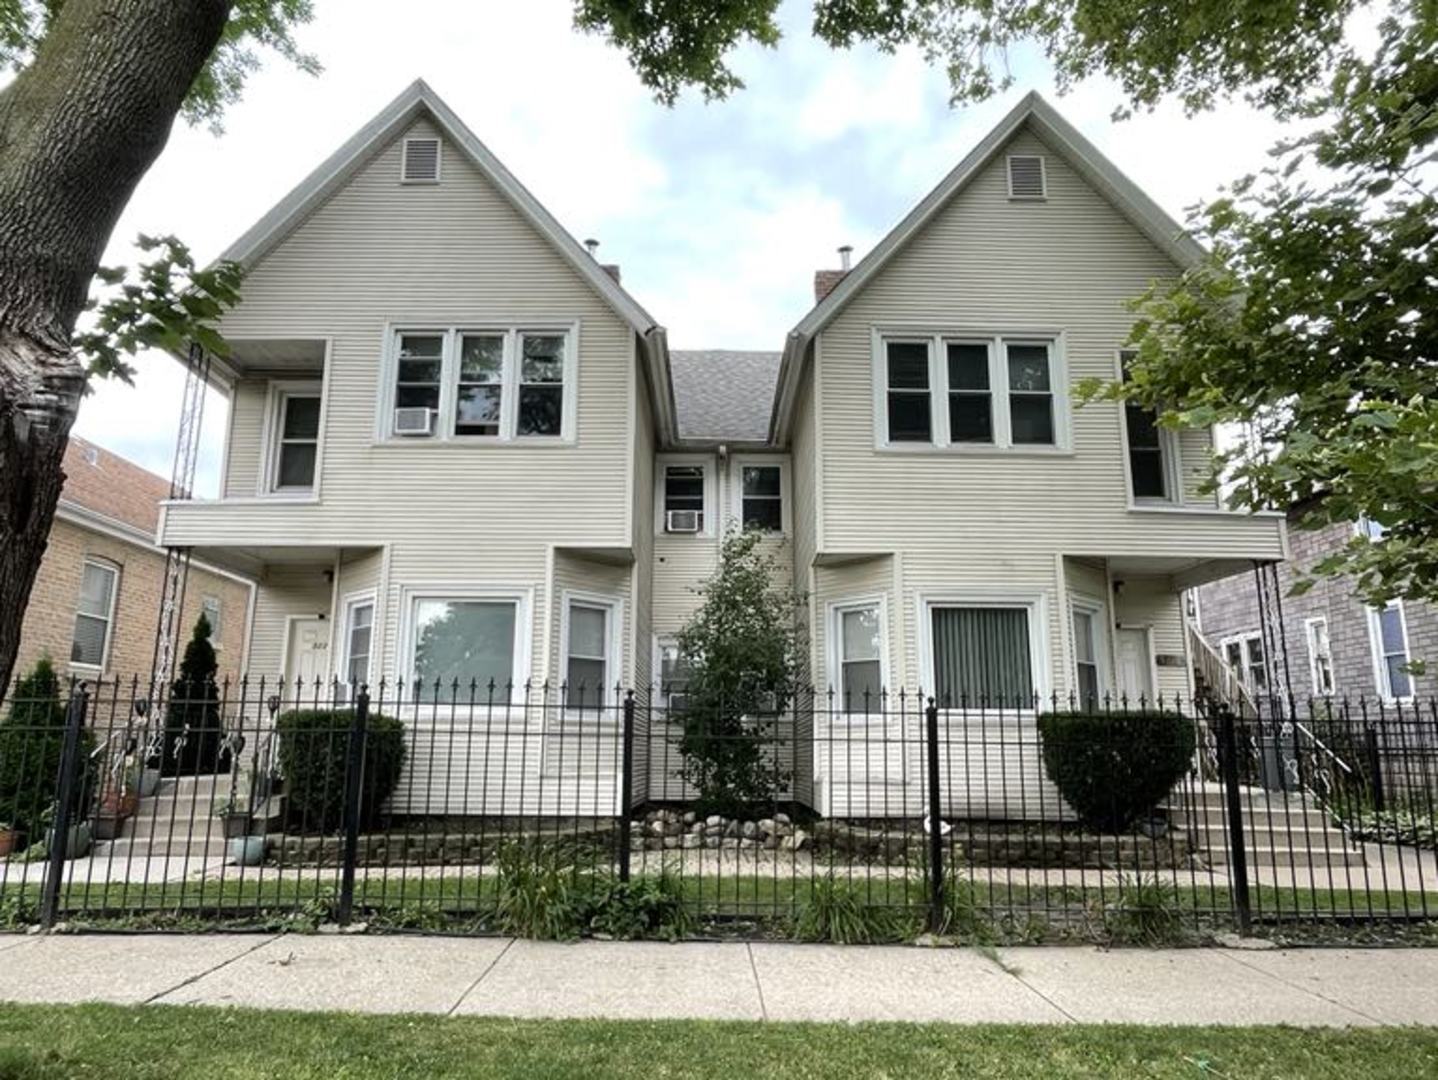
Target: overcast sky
[[718, 213]]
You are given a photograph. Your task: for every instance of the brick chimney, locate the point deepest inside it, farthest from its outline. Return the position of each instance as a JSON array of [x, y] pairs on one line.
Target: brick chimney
[[825, 281]]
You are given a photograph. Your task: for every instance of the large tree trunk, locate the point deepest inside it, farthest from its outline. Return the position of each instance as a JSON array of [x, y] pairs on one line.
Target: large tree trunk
[[78, 129]]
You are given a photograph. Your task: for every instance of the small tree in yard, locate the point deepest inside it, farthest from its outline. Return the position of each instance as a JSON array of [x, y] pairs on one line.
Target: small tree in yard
[[192, 723], [32, 739], [742, 650]]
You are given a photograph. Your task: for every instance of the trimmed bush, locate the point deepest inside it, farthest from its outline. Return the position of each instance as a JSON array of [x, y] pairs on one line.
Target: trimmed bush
[[32, 739], [192, 721], [1113, 767], [313, 745]]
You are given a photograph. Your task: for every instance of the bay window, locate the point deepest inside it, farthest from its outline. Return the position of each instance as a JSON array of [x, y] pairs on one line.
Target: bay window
[[590, 664], [498, 384], [359, 635], [464, 643], [963, 392], [982, 656], [859, 630], [1088, 655]]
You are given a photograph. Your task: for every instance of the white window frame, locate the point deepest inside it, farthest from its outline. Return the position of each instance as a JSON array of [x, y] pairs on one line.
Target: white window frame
[[1168, 445], [277, 396], [662, 642], [369, 598], [738, 463], [834, 621], [113, 569], [1245, 671], [1380, 667], [661, 464], [613, 608], [523, 628], [1035, 604], [404, 177], [1098, 612], [513, 331], [1309, 625], [997, 340]]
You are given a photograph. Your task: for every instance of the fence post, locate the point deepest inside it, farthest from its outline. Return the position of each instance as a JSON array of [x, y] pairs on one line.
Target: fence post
[[626, 785], [354, 777], [1375, 766], [936, 837], [64, 796], [1238, 852]]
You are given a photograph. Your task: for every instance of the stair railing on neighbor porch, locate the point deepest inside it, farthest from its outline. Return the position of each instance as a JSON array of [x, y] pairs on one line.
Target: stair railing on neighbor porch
[[1215, 677]]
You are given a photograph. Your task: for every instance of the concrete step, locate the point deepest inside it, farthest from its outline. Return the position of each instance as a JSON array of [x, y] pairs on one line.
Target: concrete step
[[1283, 856]]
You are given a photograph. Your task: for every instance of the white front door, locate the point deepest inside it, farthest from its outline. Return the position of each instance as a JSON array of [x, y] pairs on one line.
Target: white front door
[[308, 658], [1135, 665]]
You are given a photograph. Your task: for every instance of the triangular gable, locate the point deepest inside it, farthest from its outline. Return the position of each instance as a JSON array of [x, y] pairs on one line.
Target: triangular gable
[[1085, 159]]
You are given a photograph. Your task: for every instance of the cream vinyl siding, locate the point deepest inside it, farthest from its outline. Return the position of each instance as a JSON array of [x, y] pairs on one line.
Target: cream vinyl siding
[[681, 563], [642, 528], [857, 580], [803, 484], [984, 264], [380, 254], [283, 592], [1155, 603]]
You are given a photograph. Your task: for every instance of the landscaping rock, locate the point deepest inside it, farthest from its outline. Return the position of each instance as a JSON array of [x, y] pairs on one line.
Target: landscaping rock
[[783, 819], [715, 819], [767, 825], [749, 830], [691, 840], [797, 841], [690, 817]]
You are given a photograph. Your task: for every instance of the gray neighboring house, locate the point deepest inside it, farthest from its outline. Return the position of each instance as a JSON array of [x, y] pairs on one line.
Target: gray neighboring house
[[1335, 644]]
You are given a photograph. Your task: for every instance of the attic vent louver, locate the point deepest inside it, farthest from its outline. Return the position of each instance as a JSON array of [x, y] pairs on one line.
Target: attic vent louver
[[421, 161], [1026, 177]]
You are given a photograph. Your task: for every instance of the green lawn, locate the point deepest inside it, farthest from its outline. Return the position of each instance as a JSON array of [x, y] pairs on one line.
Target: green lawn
[[43, 1042]]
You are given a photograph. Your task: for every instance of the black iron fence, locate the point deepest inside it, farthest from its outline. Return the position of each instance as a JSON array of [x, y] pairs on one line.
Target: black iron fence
[[539, 811]]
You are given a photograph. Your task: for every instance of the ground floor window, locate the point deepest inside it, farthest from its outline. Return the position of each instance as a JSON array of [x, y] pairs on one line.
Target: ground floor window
[[673, 674], [463, 644], [982, 656], [589, 658], [94, 613], [1088, 680], [1244, 654], [859, 631], [1389, 630], [359, 636]]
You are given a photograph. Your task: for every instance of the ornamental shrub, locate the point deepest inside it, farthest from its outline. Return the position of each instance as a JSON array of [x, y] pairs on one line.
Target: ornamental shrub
[[1113, 767], [192, 721], [32, 739], [313, 748]]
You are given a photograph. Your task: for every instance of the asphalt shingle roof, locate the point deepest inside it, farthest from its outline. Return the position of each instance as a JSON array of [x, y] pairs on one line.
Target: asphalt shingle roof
[[724, 394]]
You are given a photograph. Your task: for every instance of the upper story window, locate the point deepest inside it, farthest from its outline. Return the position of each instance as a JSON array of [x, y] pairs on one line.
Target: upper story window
[[684, 491], [971, 392], [500, 384], [1388, 630], [1151, 450], [297, 439], [94, 614], [761, 497]]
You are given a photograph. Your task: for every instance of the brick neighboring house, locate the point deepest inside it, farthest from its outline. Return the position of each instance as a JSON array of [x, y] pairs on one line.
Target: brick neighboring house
[[1335, 643], [96, 598]]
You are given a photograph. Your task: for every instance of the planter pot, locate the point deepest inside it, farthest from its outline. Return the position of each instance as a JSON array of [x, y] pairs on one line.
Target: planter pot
[[236, 825], [9, 841], [148, 783], [120, 806], [247, 850], [79, 839], [109, 825]]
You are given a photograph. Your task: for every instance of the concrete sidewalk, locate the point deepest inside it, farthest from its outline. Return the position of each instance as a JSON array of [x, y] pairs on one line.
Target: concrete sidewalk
[[738, 981]]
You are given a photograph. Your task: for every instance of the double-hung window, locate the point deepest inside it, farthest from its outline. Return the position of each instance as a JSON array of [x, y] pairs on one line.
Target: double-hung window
[[859, 628], [588, 653], [673, 673], [761, 496], [971, 392], [297, 441], [1389, 631], [211, 610], [359, 638], [1320, 655], [982, 656], [1151, 450], [464, 644], [1244, 654], [502, 384], [94, 614], [1088, 655], [683, 498]]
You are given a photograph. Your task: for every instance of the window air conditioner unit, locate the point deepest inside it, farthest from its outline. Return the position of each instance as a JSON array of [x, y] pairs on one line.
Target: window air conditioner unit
[[682, 521], [413, 421]]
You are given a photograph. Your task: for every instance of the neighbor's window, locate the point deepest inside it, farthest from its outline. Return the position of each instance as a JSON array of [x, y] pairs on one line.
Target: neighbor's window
[[1245, 656], [982, 657], [1391, 647], [990, 391], [210, 608], [673, 670], [1320, 656], [684, 498], [762, 494], [1086, 657], [299, 439], [464, 642], [503, 384], [910, 417], [971, 407], [861, 672], [94, 614]]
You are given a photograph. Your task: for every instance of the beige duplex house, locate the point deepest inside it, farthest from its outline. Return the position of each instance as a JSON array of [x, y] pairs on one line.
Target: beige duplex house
[[459, 453]]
